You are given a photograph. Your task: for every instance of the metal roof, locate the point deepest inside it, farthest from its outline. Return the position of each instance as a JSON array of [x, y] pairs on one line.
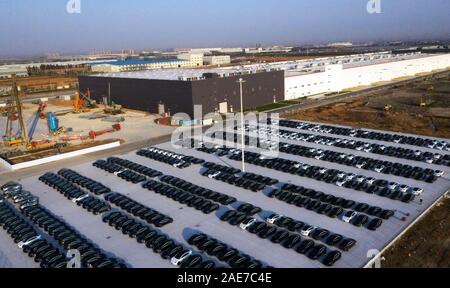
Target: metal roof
[[138, 62]]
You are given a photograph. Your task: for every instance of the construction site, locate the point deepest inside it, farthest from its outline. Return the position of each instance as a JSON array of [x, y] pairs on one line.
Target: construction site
[[41, 128], [420, 108]]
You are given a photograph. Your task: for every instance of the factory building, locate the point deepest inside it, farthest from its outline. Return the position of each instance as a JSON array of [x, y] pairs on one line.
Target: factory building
[[178, 90], [188, 60], [217, 60], [331, 78]]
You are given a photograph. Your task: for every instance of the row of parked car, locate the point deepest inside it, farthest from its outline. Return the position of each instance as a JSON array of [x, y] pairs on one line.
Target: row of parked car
[[72, 192], [312, 231], [121, 172], [70, 239], [333, 211], [365, 134], [28, 239], [159, 242], [233, 176], [197, 190], [183, 197], [224, 252], [375, 148], [93, 186], [369, 185], [139, 210], [174, 159], [285, 238], [385, 167], [141, 169], [295, 190], [22, 198]]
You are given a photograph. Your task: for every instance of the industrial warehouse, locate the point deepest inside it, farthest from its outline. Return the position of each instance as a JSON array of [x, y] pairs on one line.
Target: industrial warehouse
[[177, 90]]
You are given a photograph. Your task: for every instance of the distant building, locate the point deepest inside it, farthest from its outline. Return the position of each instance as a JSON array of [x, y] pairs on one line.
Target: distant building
[[217, 60], [183, 61]]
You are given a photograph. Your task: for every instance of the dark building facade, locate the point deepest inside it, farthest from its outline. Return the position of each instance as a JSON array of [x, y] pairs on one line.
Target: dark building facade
[[177, 96]]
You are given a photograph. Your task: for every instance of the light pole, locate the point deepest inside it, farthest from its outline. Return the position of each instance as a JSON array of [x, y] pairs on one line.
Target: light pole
[[242, 81]]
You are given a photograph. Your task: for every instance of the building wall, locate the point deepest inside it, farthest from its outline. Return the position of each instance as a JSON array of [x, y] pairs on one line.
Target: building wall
[[142, 94], [217, 60], [181, 96], [194, 59], [336, 78], [260, 89]]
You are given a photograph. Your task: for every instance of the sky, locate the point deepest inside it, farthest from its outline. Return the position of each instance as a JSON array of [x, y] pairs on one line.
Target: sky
[[30, 27]]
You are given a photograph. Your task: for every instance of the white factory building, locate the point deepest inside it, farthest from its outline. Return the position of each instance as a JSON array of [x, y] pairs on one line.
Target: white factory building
[[339, 77], [335, 74]]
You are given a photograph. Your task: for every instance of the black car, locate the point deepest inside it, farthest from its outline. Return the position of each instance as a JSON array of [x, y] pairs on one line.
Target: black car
[[305, 246], [317, 252], [331, 258], [374, 224]]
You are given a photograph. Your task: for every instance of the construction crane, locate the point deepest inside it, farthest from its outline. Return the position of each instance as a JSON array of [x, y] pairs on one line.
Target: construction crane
[[23, 137], [15, 113], [83, 102]]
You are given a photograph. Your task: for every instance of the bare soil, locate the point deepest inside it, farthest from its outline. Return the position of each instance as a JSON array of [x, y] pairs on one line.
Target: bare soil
[[426, 245], [405, 116]]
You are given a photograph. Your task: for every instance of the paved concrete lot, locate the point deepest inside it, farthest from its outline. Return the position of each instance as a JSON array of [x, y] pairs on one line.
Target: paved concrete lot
[[188, 220]]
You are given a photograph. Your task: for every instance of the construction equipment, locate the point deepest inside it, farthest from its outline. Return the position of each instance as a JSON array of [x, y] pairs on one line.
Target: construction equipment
[[113, 109], [423, 103], [95, 134], [23, 137], [110, 106], [84, 103], [14, 113]]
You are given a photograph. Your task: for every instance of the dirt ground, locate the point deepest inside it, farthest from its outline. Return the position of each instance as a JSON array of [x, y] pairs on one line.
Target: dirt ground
[[405, 114], [426, 245]]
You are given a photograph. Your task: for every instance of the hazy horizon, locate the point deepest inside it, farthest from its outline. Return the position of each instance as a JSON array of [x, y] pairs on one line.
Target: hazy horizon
[[31, 28]]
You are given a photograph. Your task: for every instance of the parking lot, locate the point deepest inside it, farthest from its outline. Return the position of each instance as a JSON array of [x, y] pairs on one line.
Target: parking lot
[[319, 205]]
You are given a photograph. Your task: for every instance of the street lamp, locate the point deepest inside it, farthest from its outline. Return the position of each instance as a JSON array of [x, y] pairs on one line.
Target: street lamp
[[242, 81]]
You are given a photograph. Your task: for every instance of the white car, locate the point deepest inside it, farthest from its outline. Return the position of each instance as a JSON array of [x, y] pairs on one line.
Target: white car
[[360, 165], [350, 176], [319, 157], [246, 224], [360, 179], [214, 175], [349, 216], [306, 231], [323, 170], [370, 180], [28, 242], [341, 183], [176, 165], [438, 173], [393, 185], [404, 188], [417, 191], [341, 175], [273, 218], [176, 261], [379, 168]]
